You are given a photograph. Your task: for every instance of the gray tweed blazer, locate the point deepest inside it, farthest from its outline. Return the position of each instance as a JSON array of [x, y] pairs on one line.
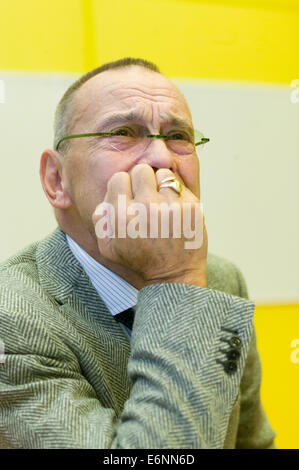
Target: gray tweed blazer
[[71, 377]]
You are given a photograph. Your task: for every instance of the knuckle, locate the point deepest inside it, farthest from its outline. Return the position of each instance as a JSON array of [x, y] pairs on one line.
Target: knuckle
[[115, 178], [163, 173], [140, 168], [94, 216]]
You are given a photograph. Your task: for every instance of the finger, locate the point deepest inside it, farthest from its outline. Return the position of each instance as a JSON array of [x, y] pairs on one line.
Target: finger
[[119, 184], [144, 184]]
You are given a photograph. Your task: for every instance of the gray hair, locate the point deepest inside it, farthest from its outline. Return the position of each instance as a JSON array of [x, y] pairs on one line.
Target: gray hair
[[63, 115]]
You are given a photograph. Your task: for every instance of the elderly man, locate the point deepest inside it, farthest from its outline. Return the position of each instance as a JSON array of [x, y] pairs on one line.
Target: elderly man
[[80, 370]]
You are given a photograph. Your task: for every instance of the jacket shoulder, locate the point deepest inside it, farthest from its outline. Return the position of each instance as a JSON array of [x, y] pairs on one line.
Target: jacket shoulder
[[20, 288], [19, 267], [225, 276]]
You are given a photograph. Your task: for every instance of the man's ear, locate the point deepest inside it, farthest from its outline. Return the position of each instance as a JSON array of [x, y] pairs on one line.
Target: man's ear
[[50, 174]]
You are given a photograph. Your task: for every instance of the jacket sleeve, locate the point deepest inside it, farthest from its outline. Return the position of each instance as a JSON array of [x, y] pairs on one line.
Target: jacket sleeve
[[254, 431], [181, 395]]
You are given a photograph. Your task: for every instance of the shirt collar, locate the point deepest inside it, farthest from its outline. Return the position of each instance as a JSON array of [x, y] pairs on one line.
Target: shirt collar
[[117, 293]]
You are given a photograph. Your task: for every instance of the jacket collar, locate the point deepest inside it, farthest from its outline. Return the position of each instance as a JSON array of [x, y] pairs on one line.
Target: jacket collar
[[62, 276], [64, 279]]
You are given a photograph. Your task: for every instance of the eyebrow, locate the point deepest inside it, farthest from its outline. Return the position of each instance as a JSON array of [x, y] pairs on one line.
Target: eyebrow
[[133, 116]]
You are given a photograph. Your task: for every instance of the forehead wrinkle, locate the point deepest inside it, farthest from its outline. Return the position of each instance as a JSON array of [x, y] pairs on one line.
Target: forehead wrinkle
[[120, 118], [136, 115], [151, 94], [136, 94]]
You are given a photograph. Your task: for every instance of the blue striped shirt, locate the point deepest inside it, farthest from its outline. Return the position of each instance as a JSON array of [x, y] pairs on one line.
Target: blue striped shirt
[[116, 293]]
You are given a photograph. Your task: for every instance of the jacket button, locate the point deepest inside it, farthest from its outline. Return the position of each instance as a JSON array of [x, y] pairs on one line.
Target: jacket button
[[235, 342], [233, 354], [230, 367]]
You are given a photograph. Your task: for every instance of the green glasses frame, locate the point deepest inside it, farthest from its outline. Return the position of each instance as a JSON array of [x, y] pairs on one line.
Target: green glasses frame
[[111, 134]]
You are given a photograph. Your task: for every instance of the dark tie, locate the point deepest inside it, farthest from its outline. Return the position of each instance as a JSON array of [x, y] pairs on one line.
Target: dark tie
[[126, 317]]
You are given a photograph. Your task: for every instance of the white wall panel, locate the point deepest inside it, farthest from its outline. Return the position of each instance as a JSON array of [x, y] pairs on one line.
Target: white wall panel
[[249, 178]]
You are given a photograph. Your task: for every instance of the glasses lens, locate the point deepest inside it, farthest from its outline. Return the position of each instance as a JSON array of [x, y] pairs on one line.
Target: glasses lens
[[179, 142], [122, 143], [180, 146], [200, 141]]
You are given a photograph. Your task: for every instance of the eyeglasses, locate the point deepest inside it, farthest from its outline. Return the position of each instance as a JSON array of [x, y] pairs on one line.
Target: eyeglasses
[[128, 140]]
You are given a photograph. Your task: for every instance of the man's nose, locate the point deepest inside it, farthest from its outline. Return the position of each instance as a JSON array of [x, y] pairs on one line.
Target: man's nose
[[158, 155]]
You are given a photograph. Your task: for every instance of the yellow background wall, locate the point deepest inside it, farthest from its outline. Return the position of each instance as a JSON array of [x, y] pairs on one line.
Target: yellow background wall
[[276, 327], [233, 40], [249, 41]]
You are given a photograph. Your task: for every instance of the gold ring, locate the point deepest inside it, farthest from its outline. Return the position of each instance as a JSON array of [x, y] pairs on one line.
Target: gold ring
[[171, 182]]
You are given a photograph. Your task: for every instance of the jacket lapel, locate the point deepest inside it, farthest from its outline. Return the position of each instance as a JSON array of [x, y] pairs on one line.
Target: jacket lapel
[[62, 276]]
